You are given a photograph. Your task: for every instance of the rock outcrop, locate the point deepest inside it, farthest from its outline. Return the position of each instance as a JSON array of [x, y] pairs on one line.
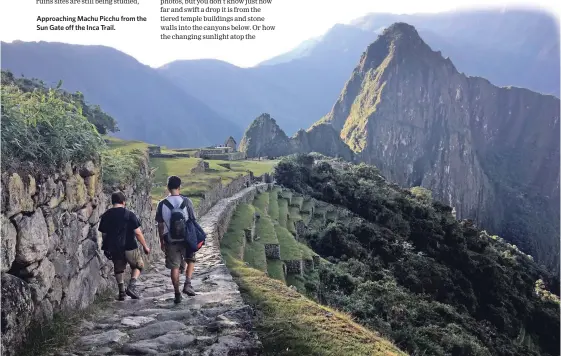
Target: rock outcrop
[[492, 153], [265, 138], [51, 258]]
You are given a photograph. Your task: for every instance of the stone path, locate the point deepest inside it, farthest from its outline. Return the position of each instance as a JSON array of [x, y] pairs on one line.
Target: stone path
[[215, 322]]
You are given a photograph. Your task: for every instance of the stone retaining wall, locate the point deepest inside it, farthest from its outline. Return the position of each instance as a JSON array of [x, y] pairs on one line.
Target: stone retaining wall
[[272, 251], [294, 267], [50, 248], [217, 219], [300, 227], [218, 191], [234, 156], [309, 265], [170, 155]]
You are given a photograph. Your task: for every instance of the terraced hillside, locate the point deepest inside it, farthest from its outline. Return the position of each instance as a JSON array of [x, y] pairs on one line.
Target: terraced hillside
[[264, 234], [271, 266]]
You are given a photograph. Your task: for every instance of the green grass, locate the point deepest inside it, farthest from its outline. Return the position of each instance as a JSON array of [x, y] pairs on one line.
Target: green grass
[[261, 202], [307, 206], [307, 253], [294, 213], [289, 248], [332, 215], [306, 217], [274, 204], [292, 325], [319, 211], [287, 194], [297, 202], [257, 167], [290, 226], [255, 255], [274, 269], [283, 211], [117, 143], [233, 241], [296, 281], [266, 230]]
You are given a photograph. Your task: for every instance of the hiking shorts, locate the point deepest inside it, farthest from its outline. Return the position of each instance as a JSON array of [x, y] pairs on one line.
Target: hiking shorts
[[177, 253], [133, 258]]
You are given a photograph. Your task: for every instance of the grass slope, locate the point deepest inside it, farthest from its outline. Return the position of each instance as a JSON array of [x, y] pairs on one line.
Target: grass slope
[[292, 325], [289, 248], [288, 323], [275, 270], [233, 241], [262, 202], [265, 230], [283, 212], [274, 205]]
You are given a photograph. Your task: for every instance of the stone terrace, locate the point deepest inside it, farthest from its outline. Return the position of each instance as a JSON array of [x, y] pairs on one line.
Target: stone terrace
[[215, 322]]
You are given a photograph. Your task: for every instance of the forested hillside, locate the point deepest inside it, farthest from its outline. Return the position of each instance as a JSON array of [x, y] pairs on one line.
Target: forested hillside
[[403, 265]]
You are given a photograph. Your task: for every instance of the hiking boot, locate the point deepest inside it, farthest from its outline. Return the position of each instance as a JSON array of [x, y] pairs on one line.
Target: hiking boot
[[122, 296], [132, 291], [178, 298], [188, 289]]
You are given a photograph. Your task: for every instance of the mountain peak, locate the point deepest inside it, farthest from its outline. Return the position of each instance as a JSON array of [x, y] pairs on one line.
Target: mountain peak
[[402, 31], [398, 39]]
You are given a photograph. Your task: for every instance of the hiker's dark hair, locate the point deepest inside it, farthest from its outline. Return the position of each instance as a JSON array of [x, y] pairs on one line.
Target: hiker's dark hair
[[174, 182], [117, 197]]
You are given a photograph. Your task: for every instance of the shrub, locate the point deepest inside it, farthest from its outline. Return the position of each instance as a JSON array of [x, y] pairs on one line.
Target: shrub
[[121, 167], [43, 129]]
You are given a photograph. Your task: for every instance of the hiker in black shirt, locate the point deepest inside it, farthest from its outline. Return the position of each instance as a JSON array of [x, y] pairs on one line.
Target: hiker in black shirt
[[118, 224]]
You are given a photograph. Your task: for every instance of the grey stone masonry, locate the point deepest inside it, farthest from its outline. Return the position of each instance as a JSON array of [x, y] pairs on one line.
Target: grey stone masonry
[[50, 251], [248, 235], [294, 267], [272, 251], [316, 260], [309, 265]]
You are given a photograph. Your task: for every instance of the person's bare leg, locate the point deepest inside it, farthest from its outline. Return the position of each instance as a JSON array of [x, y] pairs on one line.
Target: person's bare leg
[[187, 287], [135, 273], [175, 279], [189, 270]]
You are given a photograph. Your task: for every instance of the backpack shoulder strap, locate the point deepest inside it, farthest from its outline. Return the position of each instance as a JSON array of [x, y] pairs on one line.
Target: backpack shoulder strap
[[183, 204], [189, 210], [168, 204]]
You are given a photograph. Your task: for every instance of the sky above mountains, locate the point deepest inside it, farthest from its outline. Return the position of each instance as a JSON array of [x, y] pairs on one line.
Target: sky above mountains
[[295, 22]]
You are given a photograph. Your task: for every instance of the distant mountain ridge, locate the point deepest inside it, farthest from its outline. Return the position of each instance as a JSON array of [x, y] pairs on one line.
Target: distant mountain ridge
[[491, 152], [146, 105], [264, 137], [509, 48]]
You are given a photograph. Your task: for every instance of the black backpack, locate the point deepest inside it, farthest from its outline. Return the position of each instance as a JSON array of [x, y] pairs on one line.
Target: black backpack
[[177, 222], [113, 246]]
